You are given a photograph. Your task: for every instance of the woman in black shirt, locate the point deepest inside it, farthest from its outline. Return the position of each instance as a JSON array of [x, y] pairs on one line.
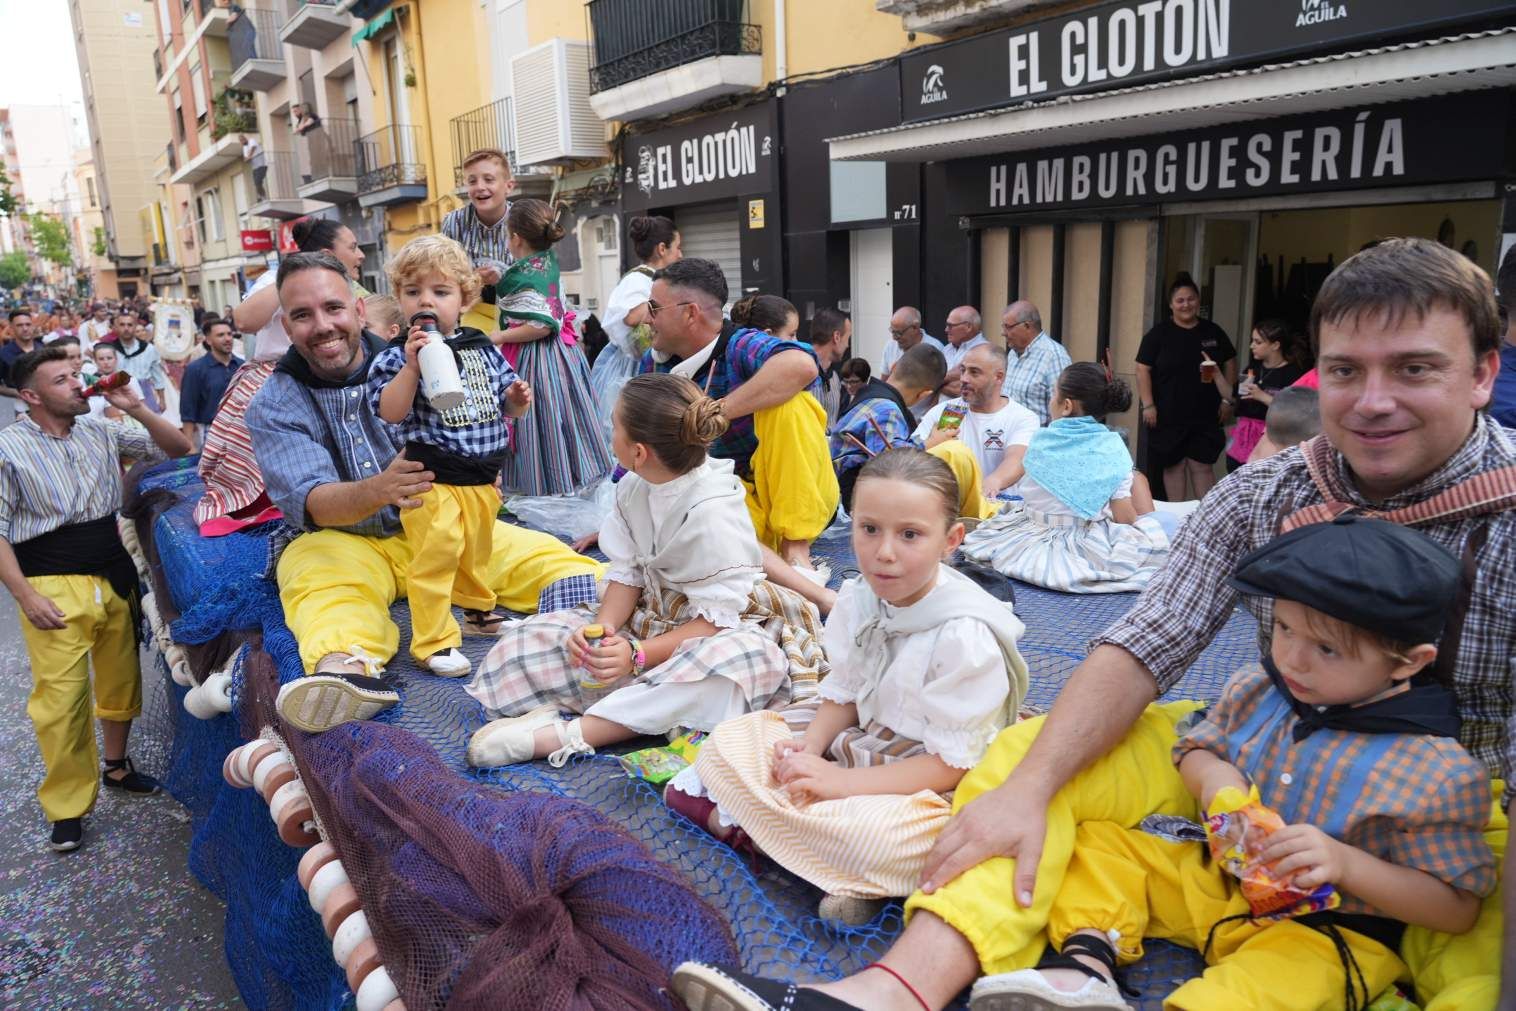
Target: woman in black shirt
[[1278, 359], [1186, 367]]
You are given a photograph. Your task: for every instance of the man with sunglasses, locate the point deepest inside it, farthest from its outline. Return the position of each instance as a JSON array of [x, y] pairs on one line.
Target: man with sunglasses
[[777, 435]]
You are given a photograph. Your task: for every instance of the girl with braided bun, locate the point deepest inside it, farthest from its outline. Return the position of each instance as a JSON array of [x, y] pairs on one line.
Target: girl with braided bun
[[1086, 521], [686, 632]]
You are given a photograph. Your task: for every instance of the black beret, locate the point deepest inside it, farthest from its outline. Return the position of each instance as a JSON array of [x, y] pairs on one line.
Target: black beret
[[1370, 573]]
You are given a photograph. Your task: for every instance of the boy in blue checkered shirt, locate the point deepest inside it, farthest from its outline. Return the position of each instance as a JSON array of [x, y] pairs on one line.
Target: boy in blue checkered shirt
[[450, 528], [1348, 734]]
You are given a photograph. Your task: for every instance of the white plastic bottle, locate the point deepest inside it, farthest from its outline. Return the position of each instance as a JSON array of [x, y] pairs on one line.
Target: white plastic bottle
[[440, 382]]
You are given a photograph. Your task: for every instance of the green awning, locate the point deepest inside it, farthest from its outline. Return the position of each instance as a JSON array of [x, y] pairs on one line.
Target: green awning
[[375, 25]]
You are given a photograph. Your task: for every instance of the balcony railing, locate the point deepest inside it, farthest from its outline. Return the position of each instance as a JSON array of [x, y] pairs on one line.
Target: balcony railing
[[329, 151], [275, 193], [255, 36], [637, 38], [390, 156], [492, 125]]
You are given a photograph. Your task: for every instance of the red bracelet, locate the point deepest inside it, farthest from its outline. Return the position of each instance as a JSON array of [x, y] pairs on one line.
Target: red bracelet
[[901, 979]]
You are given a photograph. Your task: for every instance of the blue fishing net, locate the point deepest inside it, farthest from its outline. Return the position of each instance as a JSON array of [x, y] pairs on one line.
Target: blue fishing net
[[274, 943]]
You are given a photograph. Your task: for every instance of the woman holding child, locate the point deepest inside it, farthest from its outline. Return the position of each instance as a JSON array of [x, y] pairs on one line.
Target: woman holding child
[[627, 323]]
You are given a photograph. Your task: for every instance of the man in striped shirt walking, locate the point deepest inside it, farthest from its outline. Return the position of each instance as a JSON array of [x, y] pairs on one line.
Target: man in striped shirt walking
[[62, 559]]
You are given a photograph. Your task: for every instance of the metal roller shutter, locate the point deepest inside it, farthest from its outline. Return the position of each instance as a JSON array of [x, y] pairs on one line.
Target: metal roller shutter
[[713, 232]]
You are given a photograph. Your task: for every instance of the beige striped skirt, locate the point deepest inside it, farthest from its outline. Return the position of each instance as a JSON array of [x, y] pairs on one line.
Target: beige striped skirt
[[870, 846]]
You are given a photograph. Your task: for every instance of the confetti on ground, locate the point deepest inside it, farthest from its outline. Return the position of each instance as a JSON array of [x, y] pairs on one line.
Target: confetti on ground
[[119, 923]]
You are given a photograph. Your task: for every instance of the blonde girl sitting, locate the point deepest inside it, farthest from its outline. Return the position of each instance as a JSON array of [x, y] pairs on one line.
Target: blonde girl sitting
[[850, 794], [692, 634]]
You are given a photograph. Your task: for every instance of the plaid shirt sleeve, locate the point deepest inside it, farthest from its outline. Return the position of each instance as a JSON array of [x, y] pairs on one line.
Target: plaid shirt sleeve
[[1189, 600], [749, 350], [290, 454], [845, 452], [1442, 831], [386, 366], [1207, 730]]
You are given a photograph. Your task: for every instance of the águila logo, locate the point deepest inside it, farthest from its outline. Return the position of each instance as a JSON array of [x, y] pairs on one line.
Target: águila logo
[[932, 88], [1315, 12]]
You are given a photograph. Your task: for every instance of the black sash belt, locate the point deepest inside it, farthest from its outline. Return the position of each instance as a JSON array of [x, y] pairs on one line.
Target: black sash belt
[[450, 468], [92, 548]]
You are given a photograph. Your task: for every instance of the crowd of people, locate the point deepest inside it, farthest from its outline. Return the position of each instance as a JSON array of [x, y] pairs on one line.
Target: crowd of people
[[870, 740]]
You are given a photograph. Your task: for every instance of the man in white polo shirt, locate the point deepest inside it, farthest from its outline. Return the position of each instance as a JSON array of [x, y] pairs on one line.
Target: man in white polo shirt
[[995, 427], [963, 335]]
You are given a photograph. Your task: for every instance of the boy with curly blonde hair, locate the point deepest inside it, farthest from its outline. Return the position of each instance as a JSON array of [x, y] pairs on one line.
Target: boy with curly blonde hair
[[451, 526]]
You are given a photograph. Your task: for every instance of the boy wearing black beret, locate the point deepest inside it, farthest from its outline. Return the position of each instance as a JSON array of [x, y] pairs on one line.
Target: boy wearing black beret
[[1348, 737]]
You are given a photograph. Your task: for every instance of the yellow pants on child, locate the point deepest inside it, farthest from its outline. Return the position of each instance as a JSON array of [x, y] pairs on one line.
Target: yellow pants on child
[[1133, 885], [337, 587], [481, 316], [965, 467], [451, 534], [793, 493], [98, 626], [1451, 972], [1119, 787]]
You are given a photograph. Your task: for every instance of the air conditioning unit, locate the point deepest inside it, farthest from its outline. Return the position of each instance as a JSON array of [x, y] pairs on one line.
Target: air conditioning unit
[[551, 94]]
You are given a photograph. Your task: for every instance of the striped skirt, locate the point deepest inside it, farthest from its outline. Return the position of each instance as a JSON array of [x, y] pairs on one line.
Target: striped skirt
[[1063, 552], [232, 479], [559, 446], [773, 658], [870, 846]]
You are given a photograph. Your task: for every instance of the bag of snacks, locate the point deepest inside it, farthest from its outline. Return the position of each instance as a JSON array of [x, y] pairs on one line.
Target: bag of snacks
[[1238, 826]]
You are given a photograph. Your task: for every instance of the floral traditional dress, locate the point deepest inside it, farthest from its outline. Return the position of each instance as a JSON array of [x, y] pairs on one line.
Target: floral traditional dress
[[560, 447]]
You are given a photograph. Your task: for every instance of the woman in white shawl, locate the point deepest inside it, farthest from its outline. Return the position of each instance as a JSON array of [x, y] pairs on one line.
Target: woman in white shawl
[[1085, 522], [625, 319], [692, 633]]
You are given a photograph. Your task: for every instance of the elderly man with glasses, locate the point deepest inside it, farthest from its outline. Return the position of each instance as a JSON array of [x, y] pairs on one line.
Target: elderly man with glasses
[[1033, 359], [963, 335], [777, 435]]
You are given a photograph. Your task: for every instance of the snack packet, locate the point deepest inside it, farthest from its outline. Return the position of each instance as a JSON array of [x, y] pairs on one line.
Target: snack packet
[[661, 764], [952, 417], [1238, 824]]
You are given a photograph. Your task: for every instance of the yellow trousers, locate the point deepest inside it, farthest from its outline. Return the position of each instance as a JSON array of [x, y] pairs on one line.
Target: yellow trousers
[[793, 494], [1119, 787], [965, 467], [1461, 972], [99, 627], [451, 534], [337, 587], [1136, 885], [1451, 972], [481, 316]]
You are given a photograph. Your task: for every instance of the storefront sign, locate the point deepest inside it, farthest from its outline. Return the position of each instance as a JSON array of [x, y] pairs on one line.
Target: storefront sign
[[708, 159], [1460, 137], [287, 243], [259, 240], [1131, 41]]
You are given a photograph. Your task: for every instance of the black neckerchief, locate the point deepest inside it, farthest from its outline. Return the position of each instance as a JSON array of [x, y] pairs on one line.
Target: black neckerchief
[[295, 366], [877, 389], [1425, 708], [728, 328], [121, 346]]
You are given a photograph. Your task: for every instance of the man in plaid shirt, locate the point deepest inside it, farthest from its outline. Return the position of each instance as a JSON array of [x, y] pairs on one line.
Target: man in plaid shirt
[[1408, 340], [776, 434]]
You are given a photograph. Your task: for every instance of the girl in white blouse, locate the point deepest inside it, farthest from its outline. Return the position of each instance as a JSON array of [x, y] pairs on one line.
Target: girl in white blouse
[[850, 794], [693, 635]]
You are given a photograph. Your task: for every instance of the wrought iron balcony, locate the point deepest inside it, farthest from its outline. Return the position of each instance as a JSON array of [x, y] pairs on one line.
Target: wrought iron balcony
[[638, 38], [492, 125], [274, 187], [329, 161], [390, 166], [257, 53]]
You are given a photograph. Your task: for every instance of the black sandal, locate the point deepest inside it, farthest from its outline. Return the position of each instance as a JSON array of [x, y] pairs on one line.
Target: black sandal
[[133, 782], [705, 987], [486, 623]]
